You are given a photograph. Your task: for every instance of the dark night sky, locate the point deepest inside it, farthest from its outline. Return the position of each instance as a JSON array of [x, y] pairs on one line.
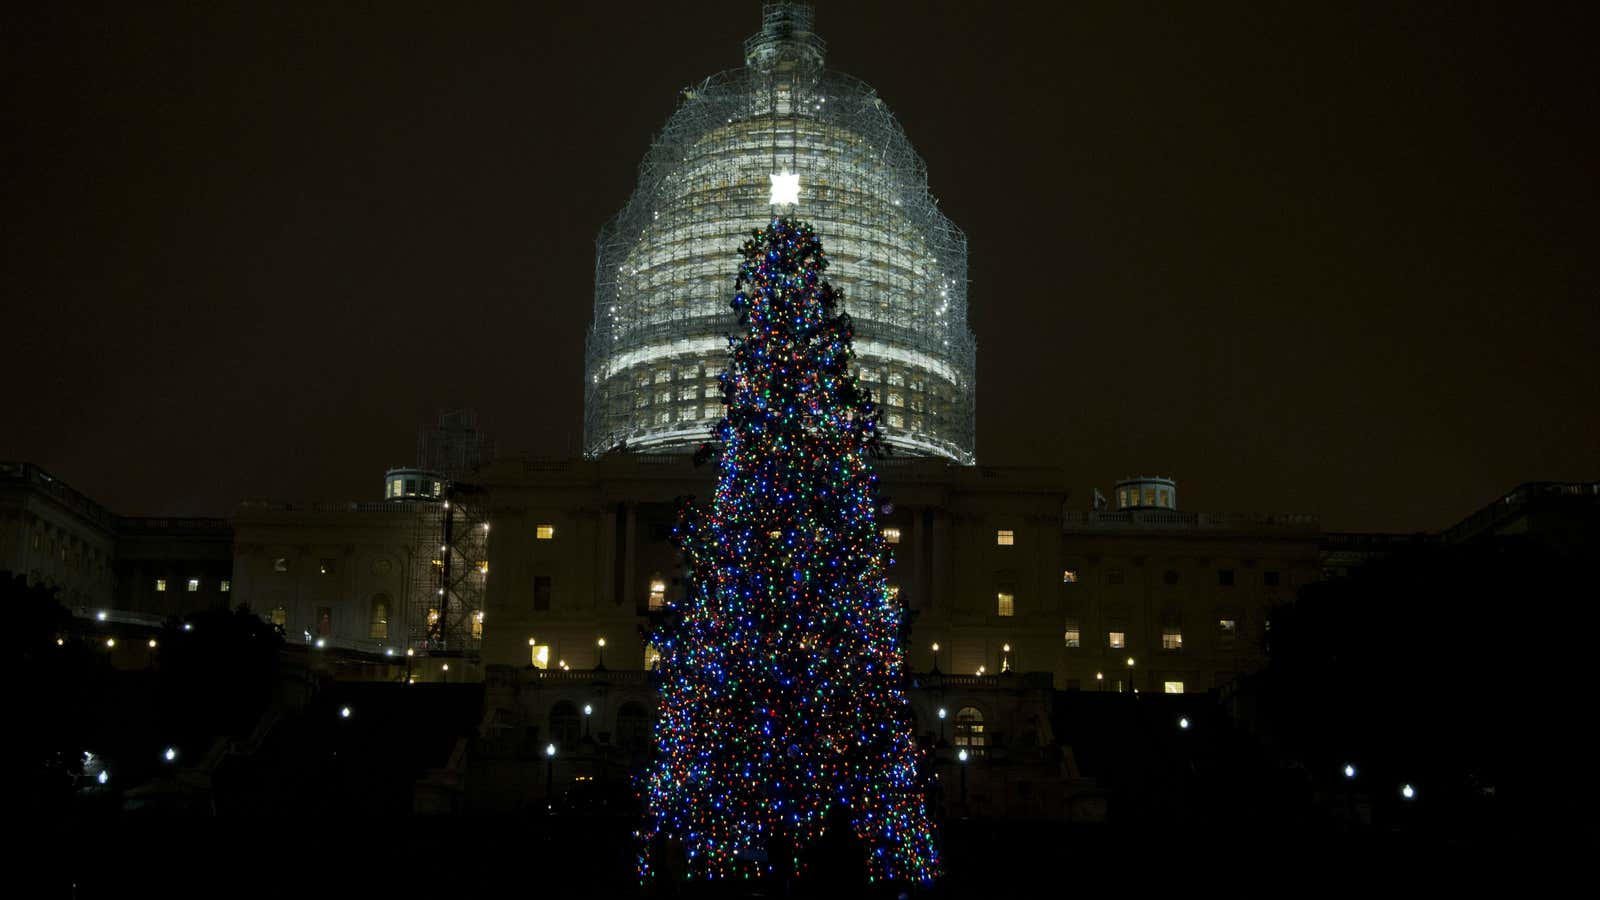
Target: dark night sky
[[1333, 258]]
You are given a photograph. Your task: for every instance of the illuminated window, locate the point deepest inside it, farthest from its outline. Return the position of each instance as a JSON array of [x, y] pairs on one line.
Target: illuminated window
[[658, 594], [894, 592], [1172, 687], [892, 535], [1227, 628], [436, 488], [281, 564], [652, 657], [325, 567], [539, 656], [1116, 640], [1149, 496], [689, 392], [1007, 604], [1161, 497], [664, 417], [896, 399], [1005, 537], [1073, 635], [1171, 639], [897, 379], [194, 585], [712, 412], [895, 420], [663, 376], [1069, 576], [477, 624], [663, 397], [226, 585], [280, 616], [161, 584], [378, 618], [969, 731], [544, 532], [688, 413], [541, 593]]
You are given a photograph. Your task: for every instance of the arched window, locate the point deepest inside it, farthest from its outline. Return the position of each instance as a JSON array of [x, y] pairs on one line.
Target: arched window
[[378, 620], [969, 731], [280, 617], [633, 725], [564, 723]]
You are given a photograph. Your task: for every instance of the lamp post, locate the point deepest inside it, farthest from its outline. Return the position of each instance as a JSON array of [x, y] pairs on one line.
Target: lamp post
[[411, 653], [549, 775], [1131, 688], [941, 724], [1005, 659], [962, 757], [588, 710], [935, 669], [600, 655], [1100, 680]]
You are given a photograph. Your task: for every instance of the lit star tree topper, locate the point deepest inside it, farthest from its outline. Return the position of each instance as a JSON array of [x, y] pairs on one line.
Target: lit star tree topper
[[782, 666], [785, 188]]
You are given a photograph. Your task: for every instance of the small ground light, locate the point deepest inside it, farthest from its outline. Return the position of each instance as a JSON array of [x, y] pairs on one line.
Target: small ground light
[[1408, 792], [1183, 722], [344, 712], [1349, 771], [171, 754]]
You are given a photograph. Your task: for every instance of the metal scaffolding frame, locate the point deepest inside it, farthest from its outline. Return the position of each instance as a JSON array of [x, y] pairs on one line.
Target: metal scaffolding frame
[[450, 546], [665, 264]]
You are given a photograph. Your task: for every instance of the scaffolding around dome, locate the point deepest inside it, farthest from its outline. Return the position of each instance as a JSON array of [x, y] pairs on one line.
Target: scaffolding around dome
[[665, 264]]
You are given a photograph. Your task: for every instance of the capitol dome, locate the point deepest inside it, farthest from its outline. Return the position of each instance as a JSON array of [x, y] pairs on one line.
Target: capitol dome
[[665, 264]]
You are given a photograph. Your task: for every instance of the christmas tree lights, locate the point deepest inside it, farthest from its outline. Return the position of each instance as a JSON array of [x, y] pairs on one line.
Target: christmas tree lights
[[782, 664]]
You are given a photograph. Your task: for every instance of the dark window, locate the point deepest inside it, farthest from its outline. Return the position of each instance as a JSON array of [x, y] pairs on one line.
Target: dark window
[[1269, 578], [564, 723], [1073, 684], [325, 621], [1170, 576], [633, 725], [1225, 577], [541, 593], [1114, 576]]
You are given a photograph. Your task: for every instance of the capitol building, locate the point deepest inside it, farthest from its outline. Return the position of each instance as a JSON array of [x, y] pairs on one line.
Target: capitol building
[[541, 577]]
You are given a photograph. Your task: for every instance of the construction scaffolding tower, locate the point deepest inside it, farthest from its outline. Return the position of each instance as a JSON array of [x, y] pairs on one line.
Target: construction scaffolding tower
[[665, 264], [451, 544]]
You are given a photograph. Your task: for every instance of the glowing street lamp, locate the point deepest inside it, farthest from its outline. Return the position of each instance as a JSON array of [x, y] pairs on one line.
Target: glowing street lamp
[[1408, 792], [1130, 676], [344, 712], [600, 655], [941, 724], [104, 776], [549, 774], [1100, 680], [962, 756], [1349, 770], [1184, 723], [171, 754], [935, 668]]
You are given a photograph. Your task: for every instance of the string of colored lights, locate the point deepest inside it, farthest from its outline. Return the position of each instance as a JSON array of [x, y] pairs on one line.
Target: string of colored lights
[[782, 665]]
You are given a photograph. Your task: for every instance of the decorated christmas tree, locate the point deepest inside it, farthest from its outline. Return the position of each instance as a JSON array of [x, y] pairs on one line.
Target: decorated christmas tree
[[783, 708]]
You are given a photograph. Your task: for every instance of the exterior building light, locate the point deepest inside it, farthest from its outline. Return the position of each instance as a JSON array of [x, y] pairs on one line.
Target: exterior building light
[[550, 750], [344, 712], [1183, 722], [171, 754], [103, 777], [1349, 771], [111, 642], [1408, 792], [962, 755], [152, 643]]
